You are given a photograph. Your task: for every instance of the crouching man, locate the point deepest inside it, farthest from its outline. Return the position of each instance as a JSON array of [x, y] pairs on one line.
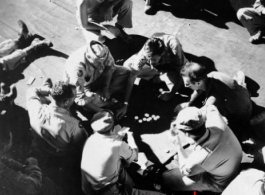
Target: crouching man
[[216, 155], [93, 71], [104, 158]]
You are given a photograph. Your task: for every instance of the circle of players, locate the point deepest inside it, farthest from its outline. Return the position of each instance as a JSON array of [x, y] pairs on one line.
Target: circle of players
[[215, 129]]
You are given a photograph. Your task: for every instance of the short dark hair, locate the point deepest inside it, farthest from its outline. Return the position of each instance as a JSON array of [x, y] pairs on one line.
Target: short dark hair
[[154, 46], [62, 91], [194, 71], [109, 123]]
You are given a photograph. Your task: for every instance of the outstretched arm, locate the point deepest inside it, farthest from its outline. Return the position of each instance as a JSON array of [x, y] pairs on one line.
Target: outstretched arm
[[122, 111]]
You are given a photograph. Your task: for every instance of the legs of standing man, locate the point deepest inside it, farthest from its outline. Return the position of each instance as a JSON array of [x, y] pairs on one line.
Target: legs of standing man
[[124, 11], [122, 8], [253, 22]]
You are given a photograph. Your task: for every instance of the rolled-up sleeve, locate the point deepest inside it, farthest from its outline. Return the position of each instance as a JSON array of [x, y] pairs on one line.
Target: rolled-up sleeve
[[176, 49]]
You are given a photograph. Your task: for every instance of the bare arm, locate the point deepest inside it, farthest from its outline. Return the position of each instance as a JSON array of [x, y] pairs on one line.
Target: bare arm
[[189, 165], [121, 112]]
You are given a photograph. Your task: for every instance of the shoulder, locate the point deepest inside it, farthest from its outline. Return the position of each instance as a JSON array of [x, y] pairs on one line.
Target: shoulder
[[222, 77]]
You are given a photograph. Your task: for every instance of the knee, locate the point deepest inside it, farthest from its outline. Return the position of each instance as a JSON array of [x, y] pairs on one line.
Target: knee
[[241, 12]]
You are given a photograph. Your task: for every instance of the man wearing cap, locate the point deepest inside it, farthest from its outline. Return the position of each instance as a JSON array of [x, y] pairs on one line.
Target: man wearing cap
[[104, 157], [160, 60], [54, 128], [93, 71], [216, 153]]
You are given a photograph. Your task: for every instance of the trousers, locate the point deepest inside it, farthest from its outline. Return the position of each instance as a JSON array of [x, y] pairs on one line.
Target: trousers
[[10, 55], [256, 24]]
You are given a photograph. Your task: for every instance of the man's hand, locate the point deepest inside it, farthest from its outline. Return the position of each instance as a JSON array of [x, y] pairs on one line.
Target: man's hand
[[181, 106], [185, 170], [105, 95], [166, 95], [121, 112], [113, 30], [108, 14], [176, 140]]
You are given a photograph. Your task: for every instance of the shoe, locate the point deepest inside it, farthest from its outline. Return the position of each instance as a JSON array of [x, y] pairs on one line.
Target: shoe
[[38, 44], [24, 36], [123, 35], [151, 6], [47, 82], [256, 38], [23, 28]]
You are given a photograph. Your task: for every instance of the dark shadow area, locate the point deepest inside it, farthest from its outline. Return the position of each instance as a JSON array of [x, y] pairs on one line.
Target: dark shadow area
[[217, 13], [121, 51], [252, 86], [18, 122]]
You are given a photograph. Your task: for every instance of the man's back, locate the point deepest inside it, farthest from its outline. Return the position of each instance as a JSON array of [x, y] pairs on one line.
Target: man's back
[[101, 160], [54, 124], [225, 152]]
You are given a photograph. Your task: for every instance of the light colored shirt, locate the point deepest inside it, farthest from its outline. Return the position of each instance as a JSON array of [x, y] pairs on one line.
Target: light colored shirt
[[54, 124], [223, 152], [101, 160], [83, 68]]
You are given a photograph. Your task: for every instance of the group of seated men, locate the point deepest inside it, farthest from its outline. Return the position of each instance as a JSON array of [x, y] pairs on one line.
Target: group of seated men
[[91, 77]]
